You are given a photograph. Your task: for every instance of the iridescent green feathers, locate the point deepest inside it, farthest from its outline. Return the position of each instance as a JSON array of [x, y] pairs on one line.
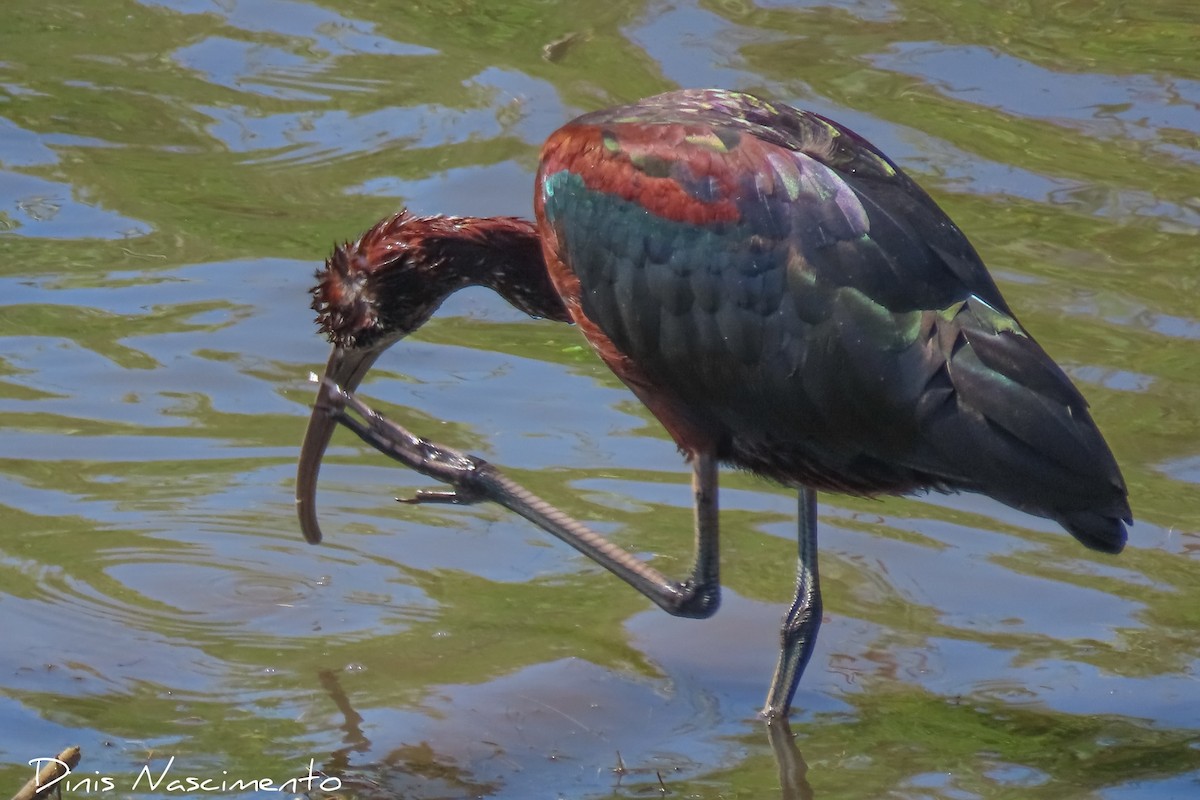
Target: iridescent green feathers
[[786, 284]]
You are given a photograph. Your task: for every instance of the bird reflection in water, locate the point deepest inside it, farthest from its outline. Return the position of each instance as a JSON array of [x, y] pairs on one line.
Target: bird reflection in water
[[438, 771], [778, 293]]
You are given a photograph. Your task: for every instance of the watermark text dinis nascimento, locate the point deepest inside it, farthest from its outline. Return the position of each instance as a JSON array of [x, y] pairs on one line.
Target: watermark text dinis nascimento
[[167, 780]]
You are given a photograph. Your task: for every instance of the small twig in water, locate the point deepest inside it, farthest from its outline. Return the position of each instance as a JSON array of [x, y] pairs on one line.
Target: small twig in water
[[562, 714], [48, 777], [159, 256]]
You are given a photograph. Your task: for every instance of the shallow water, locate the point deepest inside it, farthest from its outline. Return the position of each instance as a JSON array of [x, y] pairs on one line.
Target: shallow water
[[172, 172]]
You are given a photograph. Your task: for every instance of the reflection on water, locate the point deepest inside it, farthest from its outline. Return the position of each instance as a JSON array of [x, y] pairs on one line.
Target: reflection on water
[[172, 171]]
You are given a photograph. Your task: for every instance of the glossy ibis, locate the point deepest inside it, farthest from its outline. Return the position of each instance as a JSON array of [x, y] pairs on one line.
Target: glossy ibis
[[779, 294]]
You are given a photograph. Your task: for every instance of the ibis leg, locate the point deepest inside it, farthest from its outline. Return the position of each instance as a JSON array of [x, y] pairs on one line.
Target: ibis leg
[[803, 620], [474, 480]]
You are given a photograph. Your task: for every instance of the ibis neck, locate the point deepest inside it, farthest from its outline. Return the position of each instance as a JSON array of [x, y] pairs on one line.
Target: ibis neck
[[502, 253]]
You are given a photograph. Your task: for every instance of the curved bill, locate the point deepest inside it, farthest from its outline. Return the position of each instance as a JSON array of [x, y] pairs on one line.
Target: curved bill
[[346, 368]]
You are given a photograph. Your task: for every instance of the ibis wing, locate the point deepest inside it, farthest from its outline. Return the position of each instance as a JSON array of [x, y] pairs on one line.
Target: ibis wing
[[783, 281]]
